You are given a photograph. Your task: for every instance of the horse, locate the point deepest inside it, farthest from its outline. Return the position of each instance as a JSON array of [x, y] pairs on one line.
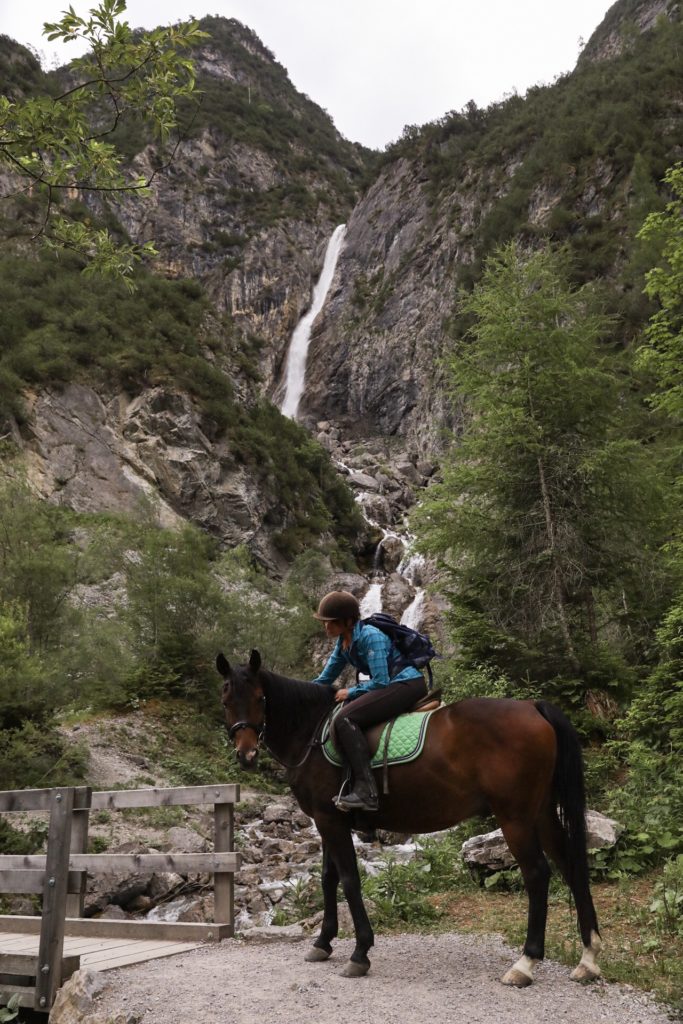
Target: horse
[[519, 760]]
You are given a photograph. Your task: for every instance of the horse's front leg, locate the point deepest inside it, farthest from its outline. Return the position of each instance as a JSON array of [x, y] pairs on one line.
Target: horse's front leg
[[322, 948], [336, 836]]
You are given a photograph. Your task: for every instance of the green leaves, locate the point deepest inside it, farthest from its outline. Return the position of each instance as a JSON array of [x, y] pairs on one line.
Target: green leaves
[[58, 143], [10, 1011], [663, 351]]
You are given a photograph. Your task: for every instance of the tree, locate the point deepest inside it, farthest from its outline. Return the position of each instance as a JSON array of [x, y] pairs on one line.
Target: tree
[[54, 145], [662, 352], [657, 713], [172, 601], [545, 519]]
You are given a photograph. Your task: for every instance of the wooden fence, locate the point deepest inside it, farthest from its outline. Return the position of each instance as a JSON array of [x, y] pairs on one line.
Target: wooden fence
[[60, 876]]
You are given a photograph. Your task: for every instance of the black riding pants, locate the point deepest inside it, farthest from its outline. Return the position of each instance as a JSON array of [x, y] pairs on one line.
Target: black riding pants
[[384, 703]]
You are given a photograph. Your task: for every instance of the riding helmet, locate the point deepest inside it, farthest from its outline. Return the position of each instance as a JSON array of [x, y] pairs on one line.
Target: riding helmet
[[338, 605]]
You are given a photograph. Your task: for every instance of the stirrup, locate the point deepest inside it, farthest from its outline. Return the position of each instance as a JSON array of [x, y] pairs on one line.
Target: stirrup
[[339, 798], [353, 802]]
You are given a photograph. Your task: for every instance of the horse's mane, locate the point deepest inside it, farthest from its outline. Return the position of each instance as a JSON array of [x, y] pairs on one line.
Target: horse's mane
[[293, 703]]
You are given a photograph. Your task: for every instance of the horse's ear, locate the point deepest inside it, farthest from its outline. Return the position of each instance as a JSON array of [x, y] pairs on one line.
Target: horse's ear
[[255, 661], [223, 665]]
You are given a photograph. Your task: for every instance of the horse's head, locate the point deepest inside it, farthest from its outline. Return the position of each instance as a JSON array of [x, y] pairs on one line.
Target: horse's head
[[244, 706]]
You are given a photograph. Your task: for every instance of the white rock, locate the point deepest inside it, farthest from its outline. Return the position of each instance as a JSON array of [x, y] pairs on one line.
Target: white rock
[[74, 1002], [489, 850], [368, 483], [274, 933], [601, 831], [277, 812]]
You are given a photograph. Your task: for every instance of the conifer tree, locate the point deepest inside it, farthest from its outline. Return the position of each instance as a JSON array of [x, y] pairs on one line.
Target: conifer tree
[[546, 518]]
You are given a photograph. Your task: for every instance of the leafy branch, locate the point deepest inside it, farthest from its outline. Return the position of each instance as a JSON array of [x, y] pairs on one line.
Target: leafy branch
[[58, 143]]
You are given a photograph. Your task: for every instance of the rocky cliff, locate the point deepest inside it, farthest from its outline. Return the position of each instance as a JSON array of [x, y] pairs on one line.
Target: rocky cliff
[[253, 193], [578, 162], [624, 21], [259, 181]]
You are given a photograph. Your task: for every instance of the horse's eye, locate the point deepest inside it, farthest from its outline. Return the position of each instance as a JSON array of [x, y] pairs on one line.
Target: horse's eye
[[262, 699]]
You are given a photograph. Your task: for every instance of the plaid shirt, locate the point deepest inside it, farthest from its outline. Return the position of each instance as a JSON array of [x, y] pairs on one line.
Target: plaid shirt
[[370, 652]]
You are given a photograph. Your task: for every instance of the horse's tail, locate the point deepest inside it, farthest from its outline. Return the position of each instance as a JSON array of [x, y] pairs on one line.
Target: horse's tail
[[569, 794]]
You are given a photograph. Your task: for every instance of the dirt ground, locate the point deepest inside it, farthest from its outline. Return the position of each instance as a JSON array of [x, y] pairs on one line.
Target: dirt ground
[[436, 979]]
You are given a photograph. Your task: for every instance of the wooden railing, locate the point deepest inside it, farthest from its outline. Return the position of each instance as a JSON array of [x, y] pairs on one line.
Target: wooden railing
[[60, 875]]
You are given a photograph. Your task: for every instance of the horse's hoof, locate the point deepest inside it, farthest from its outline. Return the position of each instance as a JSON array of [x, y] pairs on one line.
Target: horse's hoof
[[516, 978], [583, 973], [355, 970], [316, 955]]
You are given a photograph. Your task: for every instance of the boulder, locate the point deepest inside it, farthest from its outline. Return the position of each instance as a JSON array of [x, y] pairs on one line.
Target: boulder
[[601, 831], [377, 509], [277, 813], [186, 840], [363, 480], [274, 933], [392, 550], [408, 471], [397, 594], [75, 1001], [353, 582], [488, 851]]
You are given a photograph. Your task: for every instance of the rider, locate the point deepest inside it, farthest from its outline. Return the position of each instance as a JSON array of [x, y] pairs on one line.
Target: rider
[[384, 695]]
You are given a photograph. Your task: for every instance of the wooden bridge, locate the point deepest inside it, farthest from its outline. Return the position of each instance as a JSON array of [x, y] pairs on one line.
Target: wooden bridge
[[37, 954]]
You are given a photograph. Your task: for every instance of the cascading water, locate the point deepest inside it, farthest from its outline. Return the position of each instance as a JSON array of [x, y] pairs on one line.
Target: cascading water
[[295, 374], [372, 601], [295, 371]]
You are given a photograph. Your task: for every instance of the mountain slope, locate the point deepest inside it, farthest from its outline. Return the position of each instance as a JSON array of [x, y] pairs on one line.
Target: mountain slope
[[579, 162]]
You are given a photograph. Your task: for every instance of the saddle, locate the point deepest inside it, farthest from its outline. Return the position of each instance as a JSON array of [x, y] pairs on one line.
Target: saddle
[[373, 735], [381, 733]]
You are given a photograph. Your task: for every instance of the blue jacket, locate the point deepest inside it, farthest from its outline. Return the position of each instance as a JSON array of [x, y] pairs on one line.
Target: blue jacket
[[371, 652]]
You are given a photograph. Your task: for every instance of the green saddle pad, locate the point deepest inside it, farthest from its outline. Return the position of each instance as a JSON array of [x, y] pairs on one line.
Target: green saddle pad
[[405, 742]]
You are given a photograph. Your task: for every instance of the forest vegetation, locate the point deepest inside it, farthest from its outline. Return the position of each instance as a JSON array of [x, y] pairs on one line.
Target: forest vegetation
[[556, 520]]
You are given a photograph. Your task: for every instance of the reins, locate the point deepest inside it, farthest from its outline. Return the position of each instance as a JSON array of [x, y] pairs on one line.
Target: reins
[[315, 741], [260, 731]]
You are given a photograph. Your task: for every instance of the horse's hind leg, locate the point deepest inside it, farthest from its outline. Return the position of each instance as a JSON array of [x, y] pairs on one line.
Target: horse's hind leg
[[576, 877], [322, 948], [525, 847]]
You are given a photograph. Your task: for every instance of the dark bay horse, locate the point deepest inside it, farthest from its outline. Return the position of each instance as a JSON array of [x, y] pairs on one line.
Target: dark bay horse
[[518, 759]]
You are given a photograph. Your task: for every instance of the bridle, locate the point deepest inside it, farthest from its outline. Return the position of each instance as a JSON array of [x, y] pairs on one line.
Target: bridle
[[260, 730]]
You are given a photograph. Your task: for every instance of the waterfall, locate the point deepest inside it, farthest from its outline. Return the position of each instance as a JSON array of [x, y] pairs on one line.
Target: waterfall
[[413, 613], [372, 601], [295, 371]]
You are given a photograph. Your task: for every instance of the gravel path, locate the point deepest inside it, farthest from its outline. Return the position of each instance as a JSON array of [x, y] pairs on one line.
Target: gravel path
[[436, 979]]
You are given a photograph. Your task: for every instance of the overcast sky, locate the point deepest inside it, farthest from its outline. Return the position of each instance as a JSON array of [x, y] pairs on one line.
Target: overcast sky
[[375, 65]]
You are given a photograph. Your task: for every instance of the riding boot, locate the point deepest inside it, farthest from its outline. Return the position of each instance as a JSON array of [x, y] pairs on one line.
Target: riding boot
[[363, 797]]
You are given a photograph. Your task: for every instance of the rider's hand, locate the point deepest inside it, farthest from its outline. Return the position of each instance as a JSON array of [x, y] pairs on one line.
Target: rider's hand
[[341, 695]]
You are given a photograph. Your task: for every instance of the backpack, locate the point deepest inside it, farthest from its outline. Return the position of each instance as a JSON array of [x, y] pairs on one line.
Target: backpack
[[413, 648]]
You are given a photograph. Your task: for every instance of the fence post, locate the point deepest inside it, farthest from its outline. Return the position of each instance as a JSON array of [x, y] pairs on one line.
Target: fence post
[[79, 844], [49, 968], [223, 883]]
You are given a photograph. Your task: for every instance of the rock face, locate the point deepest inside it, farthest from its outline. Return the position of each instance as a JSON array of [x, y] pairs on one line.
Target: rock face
[[373, 356], [612, 36], [110, 456], [247, 205]]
